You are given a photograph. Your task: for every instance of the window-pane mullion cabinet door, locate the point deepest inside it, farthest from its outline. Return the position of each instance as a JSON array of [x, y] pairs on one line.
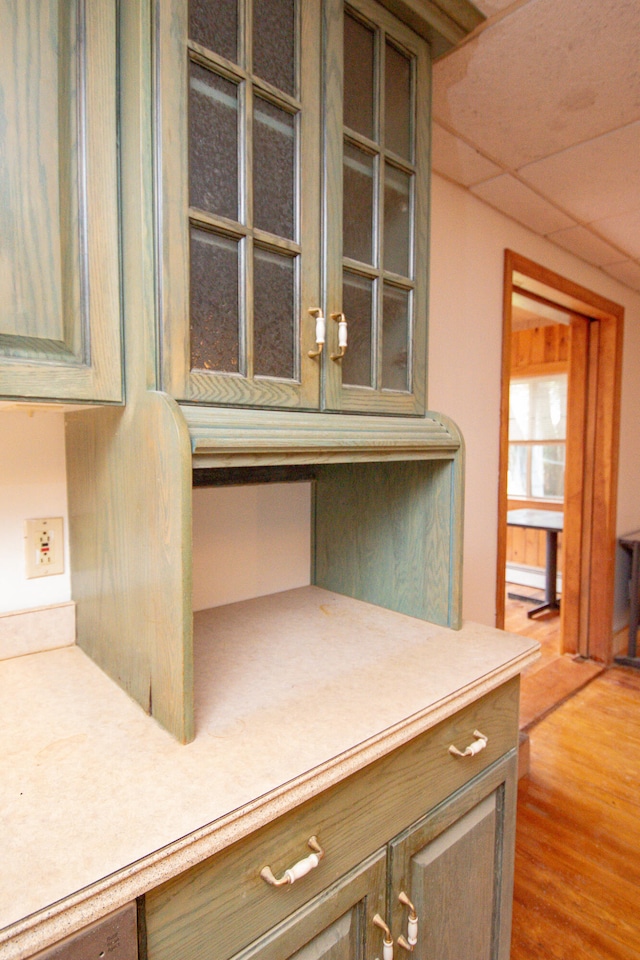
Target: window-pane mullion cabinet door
[[60, 334], [238, 168], [375, 209]]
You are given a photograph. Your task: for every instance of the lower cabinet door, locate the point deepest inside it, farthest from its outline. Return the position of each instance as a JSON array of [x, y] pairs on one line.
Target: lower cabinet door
[[455, 866], [336, 925]]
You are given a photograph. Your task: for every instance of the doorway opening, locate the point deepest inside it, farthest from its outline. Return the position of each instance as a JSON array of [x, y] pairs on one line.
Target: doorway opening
[[537, 437], [561, 364]]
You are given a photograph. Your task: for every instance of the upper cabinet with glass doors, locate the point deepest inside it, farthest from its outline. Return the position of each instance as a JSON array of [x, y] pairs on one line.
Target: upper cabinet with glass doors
[[293, 192]]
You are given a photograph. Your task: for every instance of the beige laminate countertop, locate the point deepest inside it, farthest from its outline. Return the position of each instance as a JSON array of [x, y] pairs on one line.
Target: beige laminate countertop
[[294, 692]]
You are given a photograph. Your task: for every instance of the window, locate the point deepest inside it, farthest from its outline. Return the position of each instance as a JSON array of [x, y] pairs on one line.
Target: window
[[537, 437]]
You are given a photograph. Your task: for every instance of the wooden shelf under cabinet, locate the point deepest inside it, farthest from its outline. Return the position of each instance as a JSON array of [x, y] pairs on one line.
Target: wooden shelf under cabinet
[[386, 525]]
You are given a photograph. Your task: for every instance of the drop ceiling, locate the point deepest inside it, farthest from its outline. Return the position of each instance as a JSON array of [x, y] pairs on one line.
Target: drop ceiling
[[537, 113]]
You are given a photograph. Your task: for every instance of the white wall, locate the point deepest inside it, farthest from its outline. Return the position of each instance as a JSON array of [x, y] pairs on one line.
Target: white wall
[[468, 240], [250, 541], [33, 484]]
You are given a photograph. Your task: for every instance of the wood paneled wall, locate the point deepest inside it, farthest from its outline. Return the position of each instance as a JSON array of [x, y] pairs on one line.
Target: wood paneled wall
[[540, 350]]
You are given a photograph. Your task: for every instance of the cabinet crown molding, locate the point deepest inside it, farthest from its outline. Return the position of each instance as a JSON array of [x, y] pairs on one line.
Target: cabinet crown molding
[[444, 23]]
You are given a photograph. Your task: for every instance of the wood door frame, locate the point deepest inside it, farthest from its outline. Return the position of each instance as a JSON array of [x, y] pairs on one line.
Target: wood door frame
[[592, 474]]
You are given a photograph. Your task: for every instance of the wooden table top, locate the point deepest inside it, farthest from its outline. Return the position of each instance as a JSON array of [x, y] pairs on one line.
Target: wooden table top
[[537, 519]]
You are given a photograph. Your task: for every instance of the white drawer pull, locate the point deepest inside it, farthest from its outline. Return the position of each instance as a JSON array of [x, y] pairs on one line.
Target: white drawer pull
[[299, 869], [341, 320], [412, 924], [321, 331], [387, 941], [478, 744]]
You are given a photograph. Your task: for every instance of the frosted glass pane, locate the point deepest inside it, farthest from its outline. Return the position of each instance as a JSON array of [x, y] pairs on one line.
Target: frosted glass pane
[[395, 338], [273, 169], [274, 42], [214, 24], [397, 221], [357, 304], [273, 314], [397, 112], [213, 143], [358, 204], [214, 302], [359, 87], [547, 471]]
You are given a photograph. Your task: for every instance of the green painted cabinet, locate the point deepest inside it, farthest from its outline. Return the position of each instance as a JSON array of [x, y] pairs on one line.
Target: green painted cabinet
[[273, 167], [449, 882], [60, 336], [292, 150], [421, 842], [456, 867], [338, 924]]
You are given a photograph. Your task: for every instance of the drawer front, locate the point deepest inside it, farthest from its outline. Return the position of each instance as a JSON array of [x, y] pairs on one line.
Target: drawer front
[[223, 903]]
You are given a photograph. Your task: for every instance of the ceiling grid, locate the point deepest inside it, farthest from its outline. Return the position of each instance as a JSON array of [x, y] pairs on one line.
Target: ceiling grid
[[537, 113]]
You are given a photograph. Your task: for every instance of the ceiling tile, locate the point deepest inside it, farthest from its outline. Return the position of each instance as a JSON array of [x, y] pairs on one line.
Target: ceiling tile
[[455, 159], [592, 179], [532, 83], [587, 245], [624, 230], [518, 201], [627, 272]]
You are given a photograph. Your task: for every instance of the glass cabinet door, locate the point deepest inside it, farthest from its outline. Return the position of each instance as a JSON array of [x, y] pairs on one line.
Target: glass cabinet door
[[274, 208], [239, 172], [375, 251]]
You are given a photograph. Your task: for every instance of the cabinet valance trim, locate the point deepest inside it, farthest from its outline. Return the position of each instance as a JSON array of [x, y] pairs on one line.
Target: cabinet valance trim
[[245, 437]]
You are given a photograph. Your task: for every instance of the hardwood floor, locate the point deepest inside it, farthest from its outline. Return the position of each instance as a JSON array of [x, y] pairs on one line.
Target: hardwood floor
[[545, 628], [554, 677], [577, 877]]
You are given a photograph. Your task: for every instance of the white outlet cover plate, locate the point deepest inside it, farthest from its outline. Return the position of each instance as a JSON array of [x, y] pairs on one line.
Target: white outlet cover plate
[[40, 563]]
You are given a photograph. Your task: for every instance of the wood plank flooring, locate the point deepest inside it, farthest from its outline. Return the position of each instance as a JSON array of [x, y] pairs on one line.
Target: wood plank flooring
[[545, 628], [577, 878], [548, 684], [554, 677]]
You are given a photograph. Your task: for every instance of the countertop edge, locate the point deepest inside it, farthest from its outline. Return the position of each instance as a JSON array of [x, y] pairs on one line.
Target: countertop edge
[[39, 930]]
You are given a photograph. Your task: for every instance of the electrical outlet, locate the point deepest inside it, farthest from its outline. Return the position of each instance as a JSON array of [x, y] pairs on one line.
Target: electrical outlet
[[44, 546]]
